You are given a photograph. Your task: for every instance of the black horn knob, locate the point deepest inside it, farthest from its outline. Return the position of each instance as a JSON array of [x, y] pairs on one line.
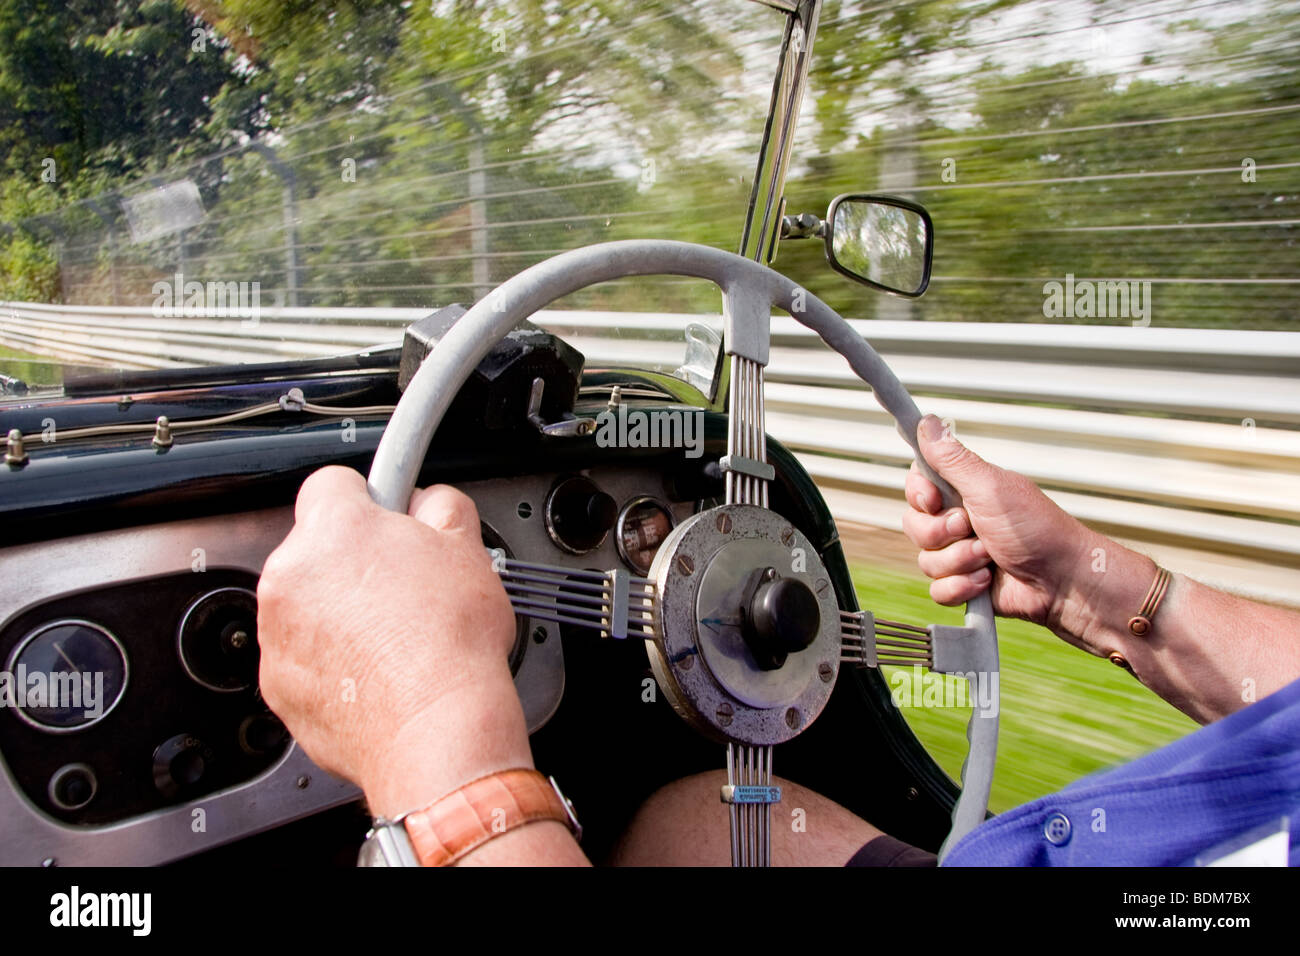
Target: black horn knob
[[782, 618]]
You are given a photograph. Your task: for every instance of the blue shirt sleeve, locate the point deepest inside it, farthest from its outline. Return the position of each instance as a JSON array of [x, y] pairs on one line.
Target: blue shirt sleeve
[[1165, 808]]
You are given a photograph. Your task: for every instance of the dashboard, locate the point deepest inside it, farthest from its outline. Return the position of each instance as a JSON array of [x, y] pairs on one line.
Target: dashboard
[[156, 745]]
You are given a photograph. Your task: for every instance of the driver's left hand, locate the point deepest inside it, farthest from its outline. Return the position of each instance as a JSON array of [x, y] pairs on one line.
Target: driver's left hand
[[385, 642]]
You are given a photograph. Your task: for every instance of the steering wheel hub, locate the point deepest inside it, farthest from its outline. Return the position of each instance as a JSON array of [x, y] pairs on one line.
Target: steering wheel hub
[[747, 638]]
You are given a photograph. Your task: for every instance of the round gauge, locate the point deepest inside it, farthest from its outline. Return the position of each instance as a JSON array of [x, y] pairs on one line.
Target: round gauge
[[67, 675], [579, 515], [217, 640], [642, 526], [72, 786]]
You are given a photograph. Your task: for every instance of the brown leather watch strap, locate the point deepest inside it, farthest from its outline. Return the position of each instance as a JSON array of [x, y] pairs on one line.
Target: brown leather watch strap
[[485, 808]]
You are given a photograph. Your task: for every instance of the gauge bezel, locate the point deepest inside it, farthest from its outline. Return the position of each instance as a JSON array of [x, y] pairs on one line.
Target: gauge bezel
[[180, 649], [51, 788], [16, 653], [548, 515], [622, 517]]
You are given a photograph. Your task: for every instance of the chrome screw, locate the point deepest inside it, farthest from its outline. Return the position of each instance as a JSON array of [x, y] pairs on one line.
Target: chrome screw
[[725, 713]]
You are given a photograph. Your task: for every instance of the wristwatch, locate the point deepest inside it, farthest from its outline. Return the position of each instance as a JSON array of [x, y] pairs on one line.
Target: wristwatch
[[455, 825]]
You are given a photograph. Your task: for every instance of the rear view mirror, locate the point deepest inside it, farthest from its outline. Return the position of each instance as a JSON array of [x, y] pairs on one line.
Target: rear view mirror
[[882, 241]]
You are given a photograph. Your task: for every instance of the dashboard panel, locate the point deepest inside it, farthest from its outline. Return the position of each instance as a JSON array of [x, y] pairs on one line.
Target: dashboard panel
[[142, 643], [187, 757]]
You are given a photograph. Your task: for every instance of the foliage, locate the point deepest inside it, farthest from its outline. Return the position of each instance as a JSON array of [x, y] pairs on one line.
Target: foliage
[[376, 152]]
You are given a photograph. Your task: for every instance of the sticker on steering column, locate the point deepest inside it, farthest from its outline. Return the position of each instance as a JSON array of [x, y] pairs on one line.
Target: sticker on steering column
[[750, 794]]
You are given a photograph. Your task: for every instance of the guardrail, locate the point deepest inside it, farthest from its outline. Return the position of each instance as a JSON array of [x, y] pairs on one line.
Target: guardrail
[[1183, 442]]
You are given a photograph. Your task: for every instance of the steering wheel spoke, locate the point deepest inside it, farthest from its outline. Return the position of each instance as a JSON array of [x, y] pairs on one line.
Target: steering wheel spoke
[[615, 603], [745, 464], [870, 641], [749, 796]]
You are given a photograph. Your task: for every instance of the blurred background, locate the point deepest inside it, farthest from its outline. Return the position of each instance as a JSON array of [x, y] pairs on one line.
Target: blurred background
[[367, 162]]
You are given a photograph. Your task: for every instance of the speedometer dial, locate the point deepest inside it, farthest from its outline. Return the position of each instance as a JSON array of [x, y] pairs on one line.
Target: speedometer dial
[[642, 526], [67, 675]]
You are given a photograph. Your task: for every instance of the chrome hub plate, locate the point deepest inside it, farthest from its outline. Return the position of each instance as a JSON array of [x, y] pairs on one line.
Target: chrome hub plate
[[698, 655]]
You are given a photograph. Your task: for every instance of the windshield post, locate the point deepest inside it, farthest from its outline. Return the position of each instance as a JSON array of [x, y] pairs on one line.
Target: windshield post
[[767, 195]]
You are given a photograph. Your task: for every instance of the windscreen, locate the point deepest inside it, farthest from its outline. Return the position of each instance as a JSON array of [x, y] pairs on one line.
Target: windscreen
[[244, 181]]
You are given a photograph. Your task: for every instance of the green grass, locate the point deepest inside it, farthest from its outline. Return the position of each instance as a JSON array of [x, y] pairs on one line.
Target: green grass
[[1064, 713]]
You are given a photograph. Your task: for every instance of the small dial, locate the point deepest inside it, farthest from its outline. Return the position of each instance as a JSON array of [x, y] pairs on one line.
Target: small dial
[[217, 640], [72, 786], [579, 515], [642, 526], [67, 675]]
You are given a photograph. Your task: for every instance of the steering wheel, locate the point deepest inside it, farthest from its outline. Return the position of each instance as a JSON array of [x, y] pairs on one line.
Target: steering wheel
[[744, 635]]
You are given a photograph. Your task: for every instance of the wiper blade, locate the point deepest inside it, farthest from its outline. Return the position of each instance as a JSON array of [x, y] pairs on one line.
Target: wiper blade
[[127, 380]]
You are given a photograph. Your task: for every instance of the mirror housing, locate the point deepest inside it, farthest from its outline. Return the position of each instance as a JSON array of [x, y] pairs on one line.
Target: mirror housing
[[881, 241]]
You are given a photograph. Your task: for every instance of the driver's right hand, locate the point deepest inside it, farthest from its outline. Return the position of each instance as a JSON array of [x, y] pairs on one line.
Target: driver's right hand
[[1006, 531]]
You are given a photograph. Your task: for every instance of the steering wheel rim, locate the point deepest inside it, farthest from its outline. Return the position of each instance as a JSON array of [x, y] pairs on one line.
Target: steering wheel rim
[[750, 290]]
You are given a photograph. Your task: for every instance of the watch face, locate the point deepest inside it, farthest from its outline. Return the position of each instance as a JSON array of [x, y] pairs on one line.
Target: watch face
[[371, 853], [387, 845]]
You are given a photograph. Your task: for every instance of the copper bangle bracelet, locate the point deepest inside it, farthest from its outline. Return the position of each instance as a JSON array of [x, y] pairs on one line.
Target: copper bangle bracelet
[[1140, 624]]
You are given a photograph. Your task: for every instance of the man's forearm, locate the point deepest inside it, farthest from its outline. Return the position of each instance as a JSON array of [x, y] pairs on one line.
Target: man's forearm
[[473, 731], [1208, 653]]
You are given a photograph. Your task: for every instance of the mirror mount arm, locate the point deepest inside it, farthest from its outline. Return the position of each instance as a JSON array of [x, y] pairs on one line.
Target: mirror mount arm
[[803, 226]]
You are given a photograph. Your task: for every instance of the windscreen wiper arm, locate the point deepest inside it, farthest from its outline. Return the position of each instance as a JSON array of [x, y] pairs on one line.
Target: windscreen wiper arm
[[204, 376], [13, 386]]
